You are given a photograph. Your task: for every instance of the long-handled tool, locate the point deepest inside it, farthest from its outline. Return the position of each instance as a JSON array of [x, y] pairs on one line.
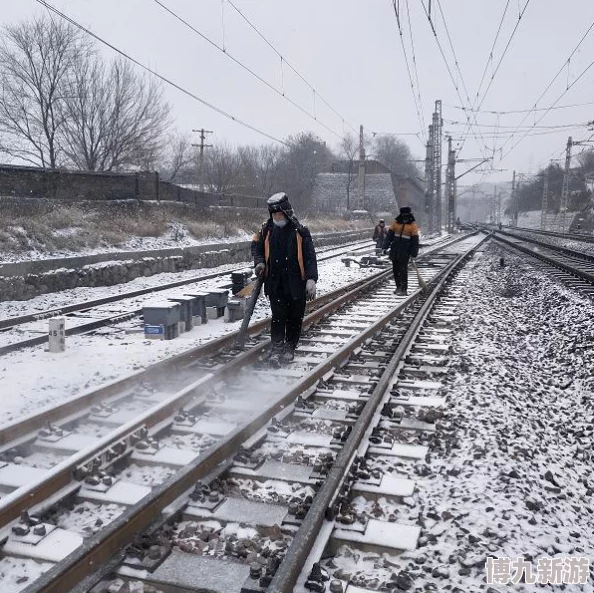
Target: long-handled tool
[[256, 287], [422, 282]]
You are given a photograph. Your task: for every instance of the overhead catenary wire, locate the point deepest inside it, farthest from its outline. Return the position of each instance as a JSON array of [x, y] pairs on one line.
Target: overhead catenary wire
[[418, 108], [570, 86], [415, 69], [507, 46], [490, 56], [288, 64], [279, 92], [449, 70], [519, 111]]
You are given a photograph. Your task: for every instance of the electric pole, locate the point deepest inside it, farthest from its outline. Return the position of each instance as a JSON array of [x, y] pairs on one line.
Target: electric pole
[[361, 205], [451, 187], [565, 189], [201, 146], [545, 201], [514, 203], [429, 182], [437, 140]]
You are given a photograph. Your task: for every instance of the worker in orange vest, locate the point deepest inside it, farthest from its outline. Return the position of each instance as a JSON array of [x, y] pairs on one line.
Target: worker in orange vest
[[284, 256], [402, 241]]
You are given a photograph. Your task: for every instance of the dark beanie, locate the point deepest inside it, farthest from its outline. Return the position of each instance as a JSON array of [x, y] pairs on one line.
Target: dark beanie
[[405, 210], [280, 203]]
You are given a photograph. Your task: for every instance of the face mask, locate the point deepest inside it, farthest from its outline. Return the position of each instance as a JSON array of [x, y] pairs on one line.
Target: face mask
[[280, 223]]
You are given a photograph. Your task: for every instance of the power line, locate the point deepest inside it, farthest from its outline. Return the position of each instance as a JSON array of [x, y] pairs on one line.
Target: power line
[[490, 56], [518, 111], [449, 70], [560, 126], [414, 61], [549, 86], [456, 63], [160, 76], [410, 79], [247, 68], [284, 60], [507, 46]]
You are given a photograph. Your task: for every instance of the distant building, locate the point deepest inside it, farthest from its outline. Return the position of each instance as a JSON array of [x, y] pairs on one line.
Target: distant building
[[385, 192]]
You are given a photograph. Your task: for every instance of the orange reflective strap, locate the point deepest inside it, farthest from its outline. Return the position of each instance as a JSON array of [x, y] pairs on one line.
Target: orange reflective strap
[[300, 254], [266, 252]]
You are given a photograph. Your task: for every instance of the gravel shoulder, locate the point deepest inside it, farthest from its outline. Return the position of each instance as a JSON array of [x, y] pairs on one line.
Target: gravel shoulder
[[510, 468]]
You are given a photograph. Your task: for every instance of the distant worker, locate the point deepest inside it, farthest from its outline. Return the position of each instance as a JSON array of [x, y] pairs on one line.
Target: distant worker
[[284, 256], [500, 226], [402, 241], [379, 234]]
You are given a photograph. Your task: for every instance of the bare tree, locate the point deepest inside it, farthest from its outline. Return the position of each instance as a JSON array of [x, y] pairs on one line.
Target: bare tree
[[36, 59], [349, 148], [395, 155], [259, 168], [115, 117], [222, 168], [180, 157]]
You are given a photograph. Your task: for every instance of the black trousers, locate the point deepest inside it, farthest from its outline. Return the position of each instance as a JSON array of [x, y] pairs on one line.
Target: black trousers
[[287, 317], [400, 269]]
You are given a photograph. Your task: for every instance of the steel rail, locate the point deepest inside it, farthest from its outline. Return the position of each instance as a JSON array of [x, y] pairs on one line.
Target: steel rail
[[550, 260], [292, 566], [112, 319], [572, 236], [558, 248], [21, 428], [103, 545]]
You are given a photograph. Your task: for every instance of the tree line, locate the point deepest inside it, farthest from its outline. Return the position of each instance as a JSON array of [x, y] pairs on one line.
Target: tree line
[[530, 193], [64, 105]]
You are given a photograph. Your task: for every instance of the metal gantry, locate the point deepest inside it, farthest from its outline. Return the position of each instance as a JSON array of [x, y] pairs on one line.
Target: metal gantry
[[545, 200], [451, 187], [429, 206], [565, 189], [437, 140]]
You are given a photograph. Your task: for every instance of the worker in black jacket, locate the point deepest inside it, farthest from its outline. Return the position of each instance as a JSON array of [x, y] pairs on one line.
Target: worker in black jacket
[[284, 256], [402, 241]]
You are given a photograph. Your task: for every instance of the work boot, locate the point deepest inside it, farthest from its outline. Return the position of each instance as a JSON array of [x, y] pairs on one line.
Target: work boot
[[275, 355], [289, 353]]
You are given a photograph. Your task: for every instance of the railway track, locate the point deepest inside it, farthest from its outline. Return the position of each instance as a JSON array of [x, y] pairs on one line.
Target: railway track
[[141, 447], [92, 315], [586, 238], [574, 268]]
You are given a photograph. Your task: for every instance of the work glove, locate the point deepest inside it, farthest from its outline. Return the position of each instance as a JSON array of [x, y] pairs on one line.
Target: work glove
[[310, 290], [259, 270]]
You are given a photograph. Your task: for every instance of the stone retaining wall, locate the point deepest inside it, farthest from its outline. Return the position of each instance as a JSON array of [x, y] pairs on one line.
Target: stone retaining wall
[[109, 273]]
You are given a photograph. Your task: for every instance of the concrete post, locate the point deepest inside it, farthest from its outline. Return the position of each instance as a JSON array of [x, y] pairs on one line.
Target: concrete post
[[57, 334]]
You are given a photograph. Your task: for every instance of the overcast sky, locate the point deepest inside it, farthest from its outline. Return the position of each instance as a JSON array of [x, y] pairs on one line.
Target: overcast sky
[[350, 52]]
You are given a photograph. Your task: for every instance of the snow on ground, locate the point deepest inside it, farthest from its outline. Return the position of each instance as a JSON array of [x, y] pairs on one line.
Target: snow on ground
[[531, 220], [510, 469], [576, 245], [176, 236], [55, 300], [33, 378]]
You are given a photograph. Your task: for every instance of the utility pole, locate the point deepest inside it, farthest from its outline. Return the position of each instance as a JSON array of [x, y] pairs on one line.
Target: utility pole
[[451, 187], [514, 202], [361, 180], [429, 206], [545, 201], [201, 146], [437, 140], [565, 189]]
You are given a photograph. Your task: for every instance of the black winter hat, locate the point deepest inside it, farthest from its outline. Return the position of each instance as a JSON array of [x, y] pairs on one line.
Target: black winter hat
[[280, 203], [405, 210]]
